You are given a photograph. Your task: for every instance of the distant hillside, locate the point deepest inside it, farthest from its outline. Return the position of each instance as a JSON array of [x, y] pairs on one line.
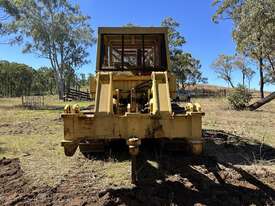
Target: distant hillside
[[206, 87], [217, 88]]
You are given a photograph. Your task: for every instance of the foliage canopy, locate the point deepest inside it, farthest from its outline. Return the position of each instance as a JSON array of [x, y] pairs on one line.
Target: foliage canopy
[[184, 66], [253, 32], [55, 30]]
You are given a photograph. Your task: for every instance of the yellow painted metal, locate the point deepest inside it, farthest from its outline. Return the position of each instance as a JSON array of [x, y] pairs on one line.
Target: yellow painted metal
[[161, 95], [75, 108], [93, 87], [80, 127], [104, 94], [111, 120], [67, 109]]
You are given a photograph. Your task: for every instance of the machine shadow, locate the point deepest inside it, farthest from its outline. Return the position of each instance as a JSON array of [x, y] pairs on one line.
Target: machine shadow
[[234, 149], [178, 178], [224, 146], [178, 182]]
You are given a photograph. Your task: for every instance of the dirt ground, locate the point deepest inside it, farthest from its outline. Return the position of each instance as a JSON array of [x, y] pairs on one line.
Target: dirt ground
[[237, 168]]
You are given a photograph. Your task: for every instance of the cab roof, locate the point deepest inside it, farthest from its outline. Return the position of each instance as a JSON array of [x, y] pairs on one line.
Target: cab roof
[[132, 30]]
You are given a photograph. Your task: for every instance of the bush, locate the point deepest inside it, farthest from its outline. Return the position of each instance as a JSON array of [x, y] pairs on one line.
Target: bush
[[239, 98]]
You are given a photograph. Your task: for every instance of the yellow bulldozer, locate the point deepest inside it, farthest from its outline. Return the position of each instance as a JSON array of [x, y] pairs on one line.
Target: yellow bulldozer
[[134, 91]]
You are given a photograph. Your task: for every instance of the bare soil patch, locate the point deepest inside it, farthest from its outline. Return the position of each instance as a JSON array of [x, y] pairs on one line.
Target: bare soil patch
[[31, 127], [165, 179]]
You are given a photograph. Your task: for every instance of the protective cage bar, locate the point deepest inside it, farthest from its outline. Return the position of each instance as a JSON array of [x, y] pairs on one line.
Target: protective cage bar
[[150, 54]]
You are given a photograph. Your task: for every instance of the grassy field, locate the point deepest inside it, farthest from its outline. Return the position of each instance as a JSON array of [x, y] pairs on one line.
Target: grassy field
[[34, 136], [259, 125]]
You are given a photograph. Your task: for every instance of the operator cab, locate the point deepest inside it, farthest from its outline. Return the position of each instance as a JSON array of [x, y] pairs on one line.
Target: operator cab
[[138, 49]]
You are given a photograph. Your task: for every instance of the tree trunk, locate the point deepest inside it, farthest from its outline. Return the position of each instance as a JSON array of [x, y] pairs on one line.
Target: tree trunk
[[261, 77], [51, 88], [60, 85], [243, 79], [61, 89], [231, 83], [261, 102]]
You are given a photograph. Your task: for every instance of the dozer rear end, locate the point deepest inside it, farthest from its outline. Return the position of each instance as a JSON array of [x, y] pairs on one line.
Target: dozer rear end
[[133, 89]]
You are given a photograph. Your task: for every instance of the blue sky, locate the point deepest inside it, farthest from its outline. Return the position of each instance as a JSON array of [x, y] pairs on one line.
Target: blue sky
[[205, 40]]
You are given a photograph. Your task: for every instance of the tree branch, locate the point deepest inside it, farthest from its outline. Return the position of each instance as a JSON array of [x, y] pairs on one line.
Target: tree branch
[[271, 63]]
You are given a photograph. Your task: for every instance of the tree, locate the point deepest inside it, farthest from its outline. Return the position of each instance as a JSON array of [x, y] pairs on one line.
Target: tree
[[240, 63], [183, 65], [249, 75], [186, 68], [6, 10], [55, 30], [44, 81], [19, 79], [261, 102], [254, 29], [15, 79], [83, 81], [223, 66], [175, 39], [70, 78], [252, 33]]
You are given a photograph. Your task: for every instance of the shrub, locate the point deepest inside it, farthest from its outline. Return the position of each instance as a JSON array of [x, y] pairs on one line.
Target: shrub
[[239, 98]]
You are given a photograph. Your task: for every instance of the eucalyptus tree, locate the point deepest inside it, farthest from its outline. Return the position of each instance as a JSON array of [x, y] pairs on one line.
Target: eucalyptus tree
[[43, 81], [241, 64], [15, 79], [254, 29], [70, 78], [20, 79], [8, 11], [186, 69], [249, 76], [175, 39], [223, 66], [55, 30], [184, 66]]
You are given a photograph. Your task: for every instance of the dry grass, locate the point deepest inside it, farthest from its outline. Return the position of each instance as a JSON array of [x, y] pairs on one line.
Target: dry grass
[[259, 125], [34, 136]]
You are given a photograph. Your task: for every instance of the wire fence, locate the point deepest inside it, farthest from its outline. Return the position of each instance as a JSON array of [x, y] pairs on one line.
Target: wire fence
[[203, 93], [33, 102]]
